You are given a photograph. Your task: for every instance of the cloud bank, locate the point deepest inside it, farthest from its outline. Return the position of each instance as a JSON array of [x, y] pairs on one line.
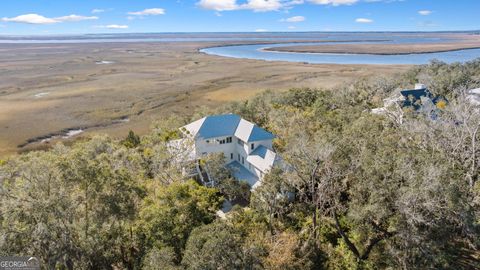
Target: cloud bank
[[112, 26], [363, 20], [267, 5], [148, 12], [39, 19], [424, 12]]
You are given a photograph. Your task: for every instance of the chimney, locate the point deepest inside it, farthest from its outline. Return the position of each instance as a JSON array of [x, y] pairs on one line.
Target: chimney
[[419, 86]]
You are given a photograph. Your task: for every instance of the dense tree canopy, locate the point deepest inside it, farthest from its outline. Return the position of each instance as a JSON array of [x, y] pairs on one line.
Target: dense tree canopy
[[358, 190]]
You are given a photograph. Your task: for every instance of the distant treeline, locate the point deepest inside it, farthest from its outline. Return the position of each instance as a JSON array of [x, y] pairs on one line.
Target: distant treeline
[[371, 192]]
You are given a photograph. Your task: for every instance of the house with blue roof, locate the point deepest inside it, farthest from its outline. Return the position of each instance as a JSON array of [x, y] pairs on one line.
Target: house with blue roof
[[420, 99], [247, 147]]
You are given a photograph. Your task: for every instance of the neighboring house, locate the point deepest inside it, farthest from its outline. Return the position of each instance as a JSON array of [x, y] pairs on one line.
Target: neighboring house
[[473, 96], [413, 98], [247, 147], [419, 99]]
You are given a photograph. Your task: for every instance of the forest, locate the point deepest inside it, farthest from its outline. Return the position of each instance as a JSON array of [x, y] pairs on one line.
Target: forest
[[393, 191]]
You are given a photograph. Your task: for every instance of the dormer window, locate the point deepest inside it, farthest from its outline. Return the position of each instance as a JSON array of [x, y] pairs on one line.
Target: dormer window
[[229, 139], [253, 146]]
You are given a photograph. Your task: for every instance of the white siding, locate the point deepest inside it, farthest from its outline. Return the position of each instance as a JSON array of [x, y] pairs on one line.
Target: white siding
[[266, 143], [240, 152], [201, 146]]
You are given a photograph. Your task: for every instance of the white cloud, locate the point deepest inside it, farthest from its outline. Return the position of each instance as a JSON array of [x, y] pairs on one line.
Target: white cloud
[[255, 5], [291, 27], [148, 11], [334, 2], [294, 19], [424, 12], [263, 5], [272, 5], [31, 19], [97, 10], [116, 26], [363, 20], [218, 5], [261, 30], [112, 26], [39, 19], [75, 18]]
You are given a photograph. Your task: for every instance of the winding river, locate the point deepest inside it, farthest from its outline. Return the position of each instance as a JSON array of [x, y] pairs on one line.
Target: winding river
[[257, 52], [281, 39]]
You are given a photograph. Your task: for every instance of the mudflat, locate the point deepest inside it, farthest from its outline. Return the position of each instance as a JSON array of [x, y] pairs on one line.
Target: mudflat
[[383, 49], [54, 89]]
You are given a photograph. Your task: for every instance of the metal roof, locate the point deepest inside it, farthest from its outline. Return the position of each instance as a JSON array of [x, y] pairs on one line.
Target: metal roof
[[227, 125], [262, 158]]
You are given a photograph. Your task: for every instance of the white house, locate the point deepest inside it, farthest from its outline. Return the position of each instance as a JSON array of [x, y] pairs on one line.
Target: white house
[[399, 99], [247, 147]]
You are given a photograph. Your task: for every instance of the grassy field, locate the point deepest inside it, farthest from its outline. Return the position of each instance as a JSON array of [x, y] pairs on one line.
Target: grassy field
[[465, 42], [48, 88]]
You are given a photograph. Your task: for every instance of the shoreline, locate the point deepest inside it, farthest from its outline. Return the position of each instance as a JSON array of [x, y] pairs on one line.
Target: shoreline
[[288, 41]]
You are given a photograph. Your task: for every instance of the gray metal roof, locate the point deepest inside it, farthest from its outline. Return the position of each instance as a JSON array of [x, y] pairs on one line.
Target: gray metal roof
[[227, 125]]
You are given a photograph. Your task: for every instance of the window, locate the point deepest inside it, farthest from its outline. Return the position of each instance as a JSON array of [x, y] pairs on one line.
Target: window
[[238, 157], [229, 139], [243, 160], [208, 141], [231, 155], [221, 141], [240, 142], [253, 146]]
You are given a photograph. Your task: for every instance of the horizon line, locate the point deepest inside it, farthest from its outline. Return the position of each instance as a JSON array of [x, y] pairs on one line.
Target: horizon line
[[239, 32]]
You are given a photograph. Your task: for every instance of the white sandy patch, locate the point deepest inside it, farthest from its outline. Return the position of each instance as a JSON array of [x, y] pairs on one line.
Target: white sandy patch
[[104, 62], [72, 133], [42, 94]]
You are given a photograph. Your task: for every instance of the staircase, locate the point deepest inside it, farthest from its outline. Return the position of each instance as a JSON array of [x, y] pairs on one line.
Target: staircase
[[202, 172]]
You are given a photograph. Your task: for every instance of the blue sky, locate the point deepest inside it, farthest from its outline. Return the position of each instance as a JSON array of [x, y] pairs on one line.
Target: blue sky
[[26, 17]]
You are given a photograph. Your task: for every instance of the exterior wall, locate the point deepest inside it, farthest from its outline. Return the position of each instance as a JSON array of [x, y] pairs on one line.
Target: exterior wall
[[248, 146], [240, 152], [256, 172], [202, 147], [266, 143], [247, 150]]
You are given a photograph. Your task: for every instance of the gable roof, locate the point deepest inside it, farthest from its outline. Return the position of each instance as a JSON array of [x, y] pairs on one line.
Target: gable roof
[[214, 126], [249, 132], [262, 158], [227, 125]]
